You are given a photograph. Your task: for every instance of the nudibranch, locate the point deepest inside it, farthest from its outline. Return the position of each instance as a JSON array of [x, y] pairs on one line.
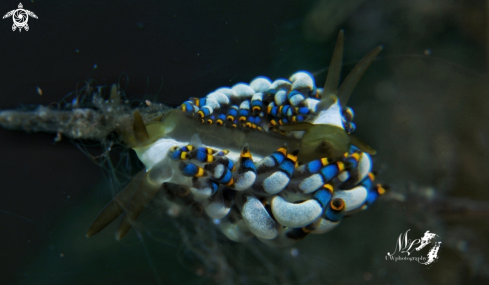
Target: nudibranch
[[275, 160]]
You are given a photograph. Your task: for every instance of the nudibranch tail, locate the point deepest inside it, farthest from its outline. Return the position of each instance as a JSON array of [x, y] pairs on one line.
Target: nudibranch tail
[[280, 161]]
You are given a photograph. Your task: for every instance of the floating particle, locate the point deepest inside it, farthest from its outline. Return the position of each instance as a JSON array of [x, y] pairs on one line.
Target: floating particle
[[294, 252], [173, 211], [58, 138]]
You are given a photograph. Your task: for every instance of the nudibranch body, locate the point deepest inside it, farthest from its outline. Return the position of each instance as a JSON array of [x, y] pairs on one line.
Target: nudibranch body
[[271, 159]]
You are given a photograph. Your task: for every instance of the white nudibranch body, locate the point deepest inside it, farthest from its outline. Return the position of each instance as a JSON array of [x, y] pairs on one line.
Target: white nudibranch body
[[331, 116], [271, 159]]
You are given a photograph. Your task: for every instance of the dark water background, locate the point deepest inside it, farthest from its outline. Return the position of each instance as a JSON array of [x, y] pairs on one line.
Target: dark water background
[[423, 105]]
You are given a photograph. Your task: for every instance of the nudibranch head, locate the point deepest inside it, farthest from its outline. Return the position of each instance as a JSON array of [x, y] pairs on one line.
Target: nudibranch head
[[279, 163]]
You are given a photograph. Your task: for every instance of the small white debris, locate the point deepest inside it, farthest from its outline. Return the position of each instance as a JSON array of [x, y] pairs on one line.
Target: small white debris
[[294, 252]]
